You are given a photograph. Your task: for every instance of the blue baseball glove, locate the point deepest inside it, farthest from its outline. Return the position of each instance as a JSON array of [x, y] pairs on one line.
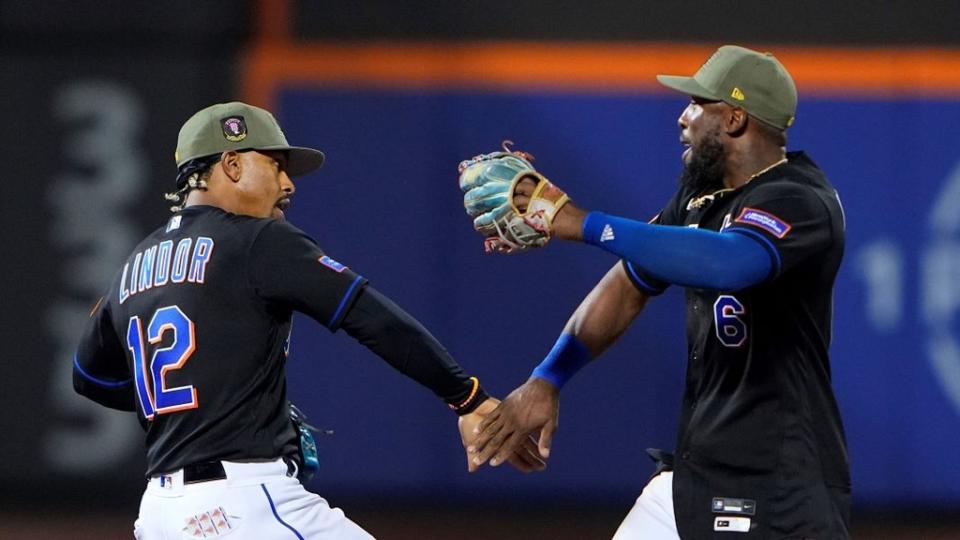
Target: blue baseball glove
[[489, 182]]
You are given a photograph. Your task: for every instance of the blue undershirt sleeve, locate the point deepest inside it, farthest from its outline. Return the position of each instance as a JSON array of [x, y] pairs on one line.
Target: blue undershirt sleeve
[[684, 256], [567, 357]]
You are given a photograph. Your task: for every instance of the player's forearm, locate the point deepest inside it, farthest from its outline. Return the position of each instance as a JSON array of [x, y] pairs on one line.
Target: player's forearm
[[392, 334], [568, 223], [100, 370], [683, 256], [115, 394], [606, 313], [598, 322]]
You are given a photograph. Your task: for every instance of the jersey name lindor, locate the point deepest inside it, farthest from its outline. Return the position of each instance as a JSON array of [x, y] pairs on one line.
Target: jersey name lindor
[[162, 264]]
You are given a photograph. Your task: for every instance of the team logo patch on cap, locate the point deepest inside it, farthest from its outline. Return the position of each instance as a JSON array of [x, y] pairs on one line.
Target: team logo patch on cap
[[234, 128], [765, 221], [332, 264]]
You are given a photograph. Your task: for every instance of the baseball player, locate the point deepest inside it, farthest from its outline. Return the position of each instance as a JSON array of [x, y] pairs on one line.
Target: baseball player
[[755, 234], [194, 330]]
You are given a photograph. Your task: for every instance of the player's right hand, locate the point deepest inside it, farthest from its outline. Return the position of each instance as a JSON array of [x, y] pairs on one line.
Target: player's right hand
[[525, 458], [533, 408]]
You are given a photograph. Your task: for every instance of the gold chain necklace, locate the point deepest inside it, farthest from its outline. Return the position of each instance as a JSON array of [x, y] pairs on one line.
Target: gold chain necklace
[[697, 202]]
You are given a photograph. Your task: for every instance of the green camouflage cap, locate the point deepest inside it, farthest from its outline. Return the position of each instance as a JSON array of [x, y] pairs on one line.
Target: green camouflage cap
[[238, 126], [754, 81]]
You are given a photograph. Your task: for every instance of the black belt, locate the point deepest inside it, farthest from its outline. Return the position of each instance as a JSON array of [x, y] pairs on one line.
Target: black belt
[[203, 472], [213, 470]]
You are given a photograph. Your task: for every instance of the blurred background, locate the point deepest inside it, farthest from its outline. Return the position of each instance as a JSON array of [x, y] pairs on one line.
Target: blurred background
[[396, 94]]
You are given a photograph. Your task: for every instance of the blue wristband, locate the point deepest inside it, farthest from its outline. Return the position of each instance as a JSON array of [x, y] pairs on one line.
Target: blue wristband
[[568, 355]]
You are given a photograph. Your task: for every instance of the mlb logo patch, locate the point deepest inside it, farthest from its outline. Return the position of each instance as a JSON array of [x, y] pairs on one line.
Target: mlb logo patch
[[765, 220], [174, 223], [332, 264]]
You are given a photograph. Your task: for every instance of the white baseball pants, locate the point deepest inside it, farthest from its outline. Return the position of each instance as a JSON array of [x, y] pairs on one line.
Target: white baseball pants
[[651, 518], [257, 501]]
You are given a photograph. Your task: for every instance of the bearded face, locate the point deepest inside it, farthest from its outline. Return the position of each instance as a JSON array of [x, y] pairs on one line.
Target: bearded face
[[705, 169]]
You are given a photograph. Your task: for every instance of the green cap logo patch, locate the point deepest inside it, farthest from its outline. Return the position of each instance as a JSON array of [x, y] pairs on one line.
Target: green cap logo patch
[[234, 128]]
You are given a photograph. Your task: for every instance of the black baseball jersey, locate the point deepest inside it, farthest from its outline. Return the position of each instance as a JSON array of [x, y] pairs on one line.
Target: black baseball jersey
[[194, 330], [760, 443]]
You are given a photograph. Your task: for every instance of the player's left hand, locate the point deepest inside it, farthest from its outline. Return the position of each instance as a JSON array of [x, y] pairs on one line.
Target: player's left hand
[[567, 222], [531, 408], [512, 204], [525, 458]]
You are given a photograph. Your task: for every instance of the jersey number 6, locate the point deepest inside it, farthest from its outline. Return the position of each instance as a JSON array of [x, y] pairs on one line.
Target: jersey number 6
[[731, 330], [152, 391]]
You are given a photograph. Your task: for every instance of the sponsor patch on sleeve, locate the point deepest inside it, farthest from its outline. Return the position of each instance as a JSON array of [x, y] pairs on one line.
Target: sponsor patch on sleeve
[[332, 264], [764, 220]]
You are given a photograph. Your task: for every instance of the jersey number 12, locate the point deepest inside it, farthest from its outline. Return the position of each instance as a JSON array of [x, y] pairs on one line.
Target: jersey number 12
[[152, 391]]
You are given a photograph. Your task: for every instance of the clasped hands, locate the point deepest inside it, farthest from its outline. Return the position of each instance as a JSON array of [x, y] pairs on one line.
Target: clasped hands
[[518, 430]]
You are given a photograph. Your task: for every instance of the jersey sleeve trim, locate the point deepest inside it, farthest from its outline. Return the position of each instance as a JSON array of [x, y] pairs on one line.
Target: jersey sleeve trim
[[99, 382], [639, 282], [775, 261], [347, 300]]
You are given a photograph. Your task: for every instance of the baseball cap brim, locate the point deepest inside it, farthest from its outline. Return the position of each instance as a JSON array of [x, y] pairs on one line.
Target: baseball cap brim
[[687, 85], [300, 160]]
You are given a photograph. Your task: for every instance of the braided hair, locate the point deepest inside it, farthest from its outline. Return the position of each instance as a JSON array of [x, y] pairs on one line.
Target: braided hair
[[190, 176]]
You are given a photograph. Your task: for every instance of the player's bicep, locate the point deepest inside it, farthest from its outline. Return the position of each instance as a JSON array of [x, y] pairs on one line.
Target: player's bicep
[[634, 299], [643, 281]]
